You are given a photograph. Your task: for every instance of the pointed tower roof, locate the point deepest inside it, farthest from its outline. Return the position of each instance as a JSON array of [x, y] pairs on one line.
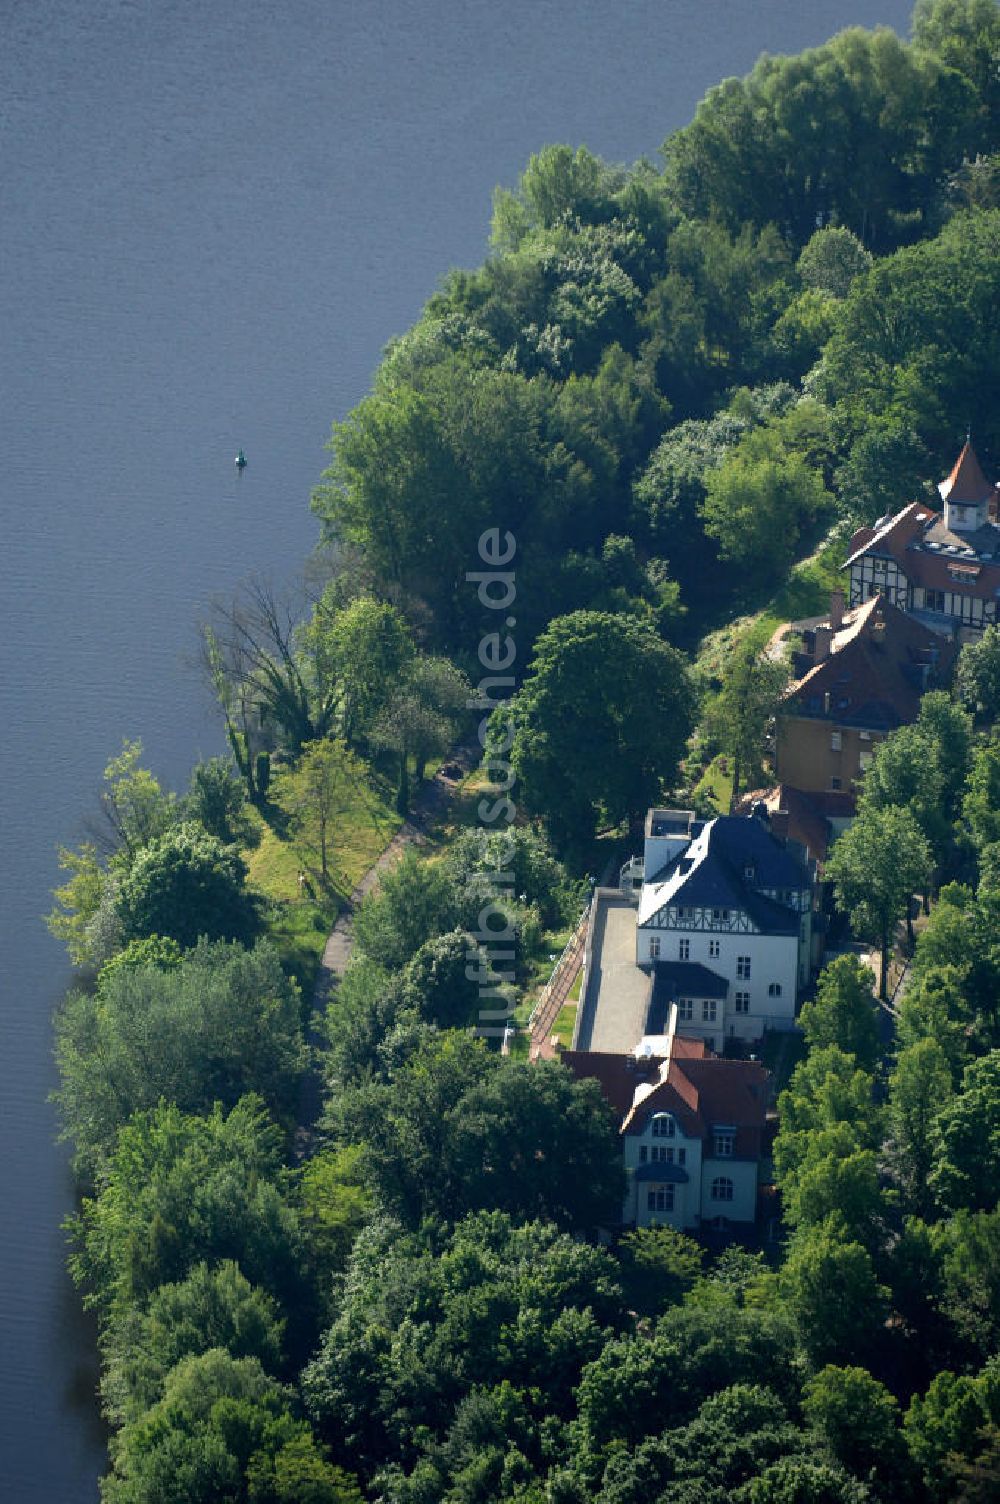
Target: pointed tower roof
[[966, 483]]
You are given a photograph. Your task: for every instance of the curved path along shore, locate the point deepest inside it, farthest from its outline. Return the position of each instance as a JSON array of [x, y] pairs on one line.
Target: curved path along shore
[[430, 803]]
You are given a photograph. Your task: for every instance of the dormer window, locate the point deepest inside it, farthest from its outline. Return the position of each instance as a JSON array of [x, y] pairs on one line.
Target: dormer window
[[663, 1125]]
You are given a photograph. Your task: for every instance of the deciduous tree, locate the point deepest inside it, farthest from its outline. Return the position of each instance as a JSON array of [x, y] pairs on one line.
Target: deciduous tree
[[185, 885], [875, 867], [843, 1012], [599, 723], [967, 1172], [324, 785], [220, 1023]]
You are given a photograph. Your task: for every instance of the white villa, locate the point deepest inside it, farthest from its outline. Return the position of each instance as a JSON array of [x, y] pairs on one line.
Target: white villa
[[691, 1128], [724, 923]]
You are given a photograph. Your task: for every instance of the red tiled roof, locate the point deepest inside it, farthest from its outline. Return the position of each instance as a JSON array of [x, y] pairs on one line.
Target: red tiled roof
[[683, 1048], [700, 1090], [966, 482], [873, 675], [860, 537], [932, 572], [893, 536], [614, 1075], [730, 1091]]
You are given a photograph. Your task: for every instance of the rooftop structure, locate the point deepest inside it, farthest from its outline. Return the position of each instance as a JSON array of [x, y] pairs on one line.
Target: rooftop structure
[[691, 1127], [861, 675], [945, 568]]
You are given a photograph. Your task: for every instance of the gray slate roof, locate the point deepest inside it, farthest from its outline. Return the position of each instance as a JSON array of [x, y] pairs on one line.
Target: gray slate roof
[[710, 873]]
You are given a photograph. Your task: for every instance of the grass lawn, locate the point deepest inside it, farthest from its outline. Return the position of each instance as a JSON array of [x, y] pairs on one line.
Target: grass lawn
[[461, 812], [301, 918], [564, 1024], [717, 780], [805, 593]]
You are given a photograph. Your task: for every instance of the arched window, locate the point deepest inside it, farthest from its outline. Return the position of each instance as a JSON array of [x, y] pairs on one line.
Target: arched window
[[774, 990], [663, 1125], [722, 1188]]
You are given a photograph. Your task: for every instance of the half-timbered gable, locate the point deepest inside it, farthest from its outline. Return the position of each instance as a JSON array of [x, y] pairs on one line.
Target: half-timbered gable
[[942, 567], [733, 906]]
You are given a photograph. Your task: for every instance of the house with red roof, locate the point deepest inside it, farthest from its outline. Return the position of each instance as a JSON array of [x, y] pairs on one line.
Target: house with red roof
[[943, 567], [692, 1131], [860, 674]]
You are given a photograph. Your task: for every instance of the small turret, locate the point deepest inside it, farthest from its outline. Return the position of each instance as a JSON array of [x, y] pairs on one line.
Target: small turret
[[966, 494]]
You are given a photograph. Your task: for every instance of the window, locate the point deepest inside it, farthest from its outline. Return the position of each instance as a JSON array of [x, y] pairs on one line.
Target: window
[[835, 783], [643, 1154], [713, 949], [934, 600], [682, 1155], [708, 1011], [663, 1125], [879, 565], [720, 916], [661, 1154], [864, 736], [743, 1002], [685, 1009], [654, 947], [722, 1188], [660, 1198], [725, 1142], [684, 950], [743, 968], [774, 990], [864, 761], [836, 741]]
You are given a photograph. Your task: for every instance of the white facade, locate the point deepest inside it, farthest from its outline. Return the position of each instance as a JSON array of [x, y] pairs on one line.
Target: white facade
[[762, 973], [716, 1185]]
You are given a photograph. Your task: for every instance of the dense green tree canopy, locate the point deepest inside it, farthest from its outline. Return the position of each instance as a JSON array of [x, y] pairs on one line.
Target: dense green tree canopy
[[920, 1086], [834, 1295], [414, 902], [214, 1307], [875, 867], [454, 1129], [221, 1023], [222, 1431], [599, 723], [917, 333], [419, 1326], [978, 674], [843, 1012], [967, 1173], [180, 1190], [185, 885], [216, 799]]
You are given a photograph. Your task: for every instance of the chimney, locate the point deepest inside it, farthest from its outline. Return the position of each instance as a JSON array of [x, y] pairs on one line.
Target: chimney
[[779, 824], [836, 610], [823, 638]]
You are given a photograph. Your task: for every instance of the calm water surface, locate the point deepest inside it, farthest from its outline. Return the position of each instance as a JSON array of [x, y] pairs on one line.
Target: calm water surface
[[211, 220]]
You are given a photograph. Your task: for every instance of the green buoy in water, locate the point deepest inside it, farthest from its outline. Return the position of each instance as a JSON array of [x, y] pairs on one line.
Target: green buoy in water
[[240, 462]]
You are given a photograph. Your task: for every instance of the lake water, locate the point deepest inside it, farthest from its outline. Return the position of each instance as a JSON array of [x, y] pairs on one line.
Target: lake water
[[211, 220]]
